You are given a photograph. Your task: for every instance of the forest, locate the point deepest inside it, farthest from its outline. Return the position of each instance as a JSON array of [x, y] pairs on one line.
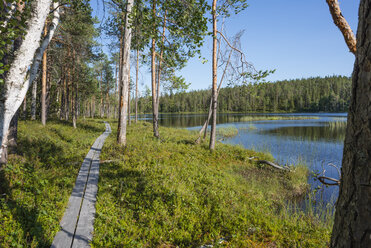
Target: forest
[[329, 94], [78, 168]]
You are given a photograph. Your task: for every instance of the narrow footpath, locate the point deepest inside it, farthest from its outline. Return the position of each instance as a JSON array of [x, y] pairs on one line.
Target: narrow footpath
[[77, 224]]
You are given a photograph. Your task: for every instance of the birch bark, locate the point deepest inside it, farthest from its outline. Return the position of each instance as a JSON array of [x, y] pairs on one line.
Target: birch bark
[[16, 85]]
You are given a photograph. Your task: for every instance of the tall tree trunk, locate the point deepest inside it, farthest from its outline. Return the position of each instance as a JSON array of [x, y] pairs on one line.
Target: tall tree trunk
[[74, 88], [43, 85], [93, 107], [63, 97], [125, 78], [129, 110], [153, 78], [136, 88], [67, 96], [204, 127], [214, 78], [33, 101], [352, 227], [25, 108]]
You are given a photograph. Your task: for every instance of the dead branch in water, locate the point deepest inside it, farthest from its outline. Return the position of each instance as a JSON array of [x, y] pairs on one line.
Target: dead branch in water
[[323, 179]]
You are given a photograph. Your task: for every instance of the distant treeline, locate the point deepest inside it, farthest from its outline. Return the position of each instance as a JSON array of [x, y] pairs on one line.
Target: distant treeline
[[329, 94]]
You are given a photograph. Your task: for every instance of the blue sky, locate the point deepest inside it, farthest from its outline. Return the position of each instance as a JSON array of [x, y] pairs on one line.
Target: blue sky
[[296, 37]]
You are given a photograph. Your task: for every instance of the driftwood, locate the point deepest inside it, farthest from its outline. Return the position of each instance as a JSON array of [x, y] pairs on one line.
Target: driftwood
[[273, 165], [270, 163], [334, 181]]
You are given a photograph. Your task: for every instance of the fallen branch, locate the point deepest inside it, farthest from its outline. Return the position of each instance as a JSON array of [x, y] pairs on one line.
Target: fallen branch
[[323, 179], [343, 25], [273, 165], [109, 161]]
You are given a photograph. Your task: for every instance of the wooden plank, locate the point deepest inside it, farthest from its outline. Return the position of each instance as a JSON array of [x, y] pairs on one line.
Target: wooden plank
[[77, 222], [85, 226]]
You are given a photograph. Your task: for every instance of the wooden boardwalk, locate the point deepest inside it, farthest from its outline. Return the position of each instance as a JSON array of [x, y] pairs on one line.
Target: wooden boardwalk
[[77, 224]]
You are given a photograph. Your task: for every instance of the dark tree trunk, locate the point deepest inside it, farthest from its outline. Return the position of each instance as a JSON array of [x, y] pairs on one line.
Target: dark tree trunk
[[33, 100], [352, 227], [11, 140]]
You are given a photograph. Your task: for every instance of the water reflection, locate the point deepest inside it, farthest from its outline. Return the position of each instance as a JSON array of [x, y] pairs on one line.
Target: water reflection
[[327, 132]]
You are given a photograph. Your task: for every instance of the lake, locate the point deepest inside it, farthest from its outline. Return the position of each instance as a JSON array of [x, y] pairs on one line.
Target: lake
[[317, 143]]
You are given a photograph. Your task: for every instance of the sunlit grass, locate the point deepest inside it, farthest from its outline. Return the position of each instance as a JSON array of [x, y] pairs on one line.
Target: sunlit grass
[[227, 132], [36, 184], [173, 193]]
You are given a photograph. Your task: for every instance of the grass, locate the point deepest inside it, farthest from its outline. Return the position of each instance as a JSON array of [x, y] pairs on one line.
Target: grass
[[274, 118], [249, 127], [36, 184], [173, 193], [227, 132], [156, 193], [337, 124]]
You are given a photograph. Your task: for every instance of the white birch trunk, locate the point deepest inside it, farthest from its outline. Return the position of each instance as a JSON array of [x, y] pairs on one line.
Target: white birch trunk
[[15, 87]]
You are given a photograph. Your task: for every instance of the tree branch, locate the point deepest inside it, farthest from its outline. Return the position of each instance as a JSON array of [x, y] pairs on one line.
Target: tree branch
[[343, 25], [323, 179]]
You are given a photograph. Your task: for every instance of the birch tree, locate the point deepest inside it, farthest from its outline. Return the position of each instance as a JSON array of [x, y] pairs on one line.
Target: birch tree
[[16, 82]]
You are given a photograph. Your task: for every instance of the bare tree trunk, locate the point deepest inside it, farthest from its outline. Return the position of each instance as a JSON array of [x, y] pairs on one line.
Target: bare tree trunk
[[67, 96], [214, 78], [136, 88], [25, 108], [93, 107], [63, 98], [33, 101], [74, 95], [153, 79], [125, 78], [129, 112], [352, 226], [204, 127], [43, 85]]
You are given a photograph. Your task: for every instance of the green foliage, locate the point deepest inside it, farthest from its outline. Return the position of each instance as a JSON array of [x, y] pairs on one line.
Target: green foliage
[[36, 184], [173, 193]]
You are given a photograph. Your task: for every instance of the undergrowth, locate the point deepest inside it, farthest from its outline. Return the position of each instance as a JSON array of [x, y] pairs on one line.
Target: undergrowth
[[36, 183], [170, 192]]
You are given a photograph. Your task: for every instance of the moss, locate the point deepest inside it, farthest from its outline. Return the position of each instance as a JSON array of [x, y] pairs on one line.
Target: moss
[[173, 193]]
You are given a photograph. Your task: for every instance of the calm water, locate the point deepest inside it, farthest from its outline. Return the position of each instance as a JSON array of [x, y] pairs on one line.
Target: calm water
[[313, 142]]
